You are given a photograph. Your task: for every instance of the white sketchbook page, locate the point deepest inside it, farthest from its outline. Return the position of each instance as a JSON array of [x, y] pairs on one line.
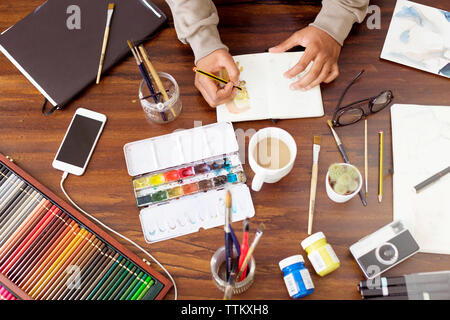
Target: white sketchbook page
[[418, 37], [284, 102], [254, 74], [421, 148]]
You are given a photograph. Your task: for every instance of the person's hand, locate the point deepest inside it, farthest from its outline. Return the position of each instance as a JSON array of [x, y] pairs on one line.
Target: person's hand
[[320, 48], [209, 88]]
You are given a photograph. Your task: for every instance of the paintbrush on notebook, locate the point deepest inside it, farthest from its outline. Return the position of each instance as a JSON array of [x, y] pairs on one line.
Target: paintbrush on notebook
[[344, 155], [105, 40], [248, 256], [315, 169]]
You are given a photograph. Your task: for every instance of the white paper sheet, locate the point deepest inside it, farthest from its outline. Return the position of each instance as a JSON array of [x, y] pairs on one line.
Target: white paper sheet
[[421, 148]]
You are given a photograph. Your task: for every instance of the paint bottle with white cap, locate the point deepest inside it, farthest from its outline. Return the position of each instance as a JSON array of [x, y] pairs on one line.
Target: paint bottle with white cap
[[296, 277], [321, 254]]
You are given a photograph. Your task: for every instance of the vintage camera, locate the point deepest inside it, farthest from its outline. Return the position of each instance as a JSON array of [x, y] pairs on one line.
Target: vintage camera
[[384, 249]]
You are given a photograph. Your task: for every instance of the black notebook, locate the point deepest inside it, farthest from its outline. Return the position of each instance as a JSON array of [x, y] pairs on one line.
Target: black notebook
[[58, 46]]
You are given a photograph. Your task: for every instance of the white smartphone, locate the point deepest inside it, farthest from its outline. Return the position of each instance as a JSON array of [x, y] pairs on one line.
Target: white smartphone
[[79, 142]]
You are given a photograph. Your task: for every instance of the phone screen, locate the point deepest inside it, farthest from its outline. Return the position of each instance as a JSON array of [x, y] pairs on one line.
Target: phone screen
[[79, 141]]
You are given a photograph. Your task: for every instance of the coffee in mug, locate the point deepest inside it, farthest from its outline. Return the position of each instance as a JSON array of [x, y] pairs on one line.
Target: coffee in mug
[[272, 153]]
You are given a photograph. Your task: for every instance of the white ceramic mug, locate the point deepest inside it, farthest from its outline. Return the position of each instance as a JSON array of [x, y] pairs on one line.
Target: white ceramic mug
[[341, 198], [265, 175]]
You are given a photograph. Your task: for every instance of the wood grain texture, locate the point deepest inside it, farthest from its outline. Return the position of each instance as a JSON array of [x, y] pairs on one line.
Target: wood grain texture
[[246, 27]]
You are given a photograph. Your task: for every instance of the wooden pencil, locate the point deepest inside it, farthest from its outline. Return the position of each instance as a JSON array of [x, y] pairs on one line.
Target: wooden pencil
[[126, 284], [366, 159], [380, 182], [92, 260]]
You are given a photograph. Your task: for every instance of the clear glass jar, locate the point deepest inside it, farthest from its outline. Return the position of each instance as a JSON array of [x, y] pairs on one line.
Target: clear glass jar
[[155, 108], [218, 260]]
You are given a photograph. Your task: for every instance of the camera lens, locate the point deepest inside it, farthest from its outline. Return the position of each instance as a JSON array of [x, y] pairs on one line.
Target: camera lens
[[387, 253]]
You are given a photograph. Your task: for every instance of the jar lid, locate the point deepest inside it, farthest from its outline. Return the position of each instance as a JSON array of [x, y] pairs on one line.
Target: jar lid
[[291, 260], [311, 239]]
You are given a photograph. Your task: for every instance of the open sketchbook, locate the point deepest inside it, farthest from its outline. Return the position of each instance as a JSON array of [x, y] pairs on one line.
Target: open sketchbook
[[267, 94], [421, 148]]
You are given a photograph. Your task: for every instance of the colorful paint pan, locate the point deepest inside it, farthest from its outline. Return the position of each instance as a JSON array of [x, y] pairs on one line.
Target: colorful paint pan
[[186, 172], [190, 188], [220, 181], [232, 178], [159, 196], [202, 168], [175, 192], [141, 183], [205, 185], [156, 180], [171, 176]]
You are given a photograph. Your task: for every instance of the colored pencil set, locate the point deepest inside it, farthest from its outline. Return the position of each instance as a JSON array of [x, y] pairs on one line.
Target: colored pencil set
[[5, 294], [50, 255], [186, 180]]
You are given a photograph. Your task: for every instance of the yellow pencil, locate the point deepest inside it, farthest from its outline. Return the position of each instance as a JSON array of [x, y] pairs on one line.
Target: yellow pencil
[[105, 40], [214, 77], [380, 183]]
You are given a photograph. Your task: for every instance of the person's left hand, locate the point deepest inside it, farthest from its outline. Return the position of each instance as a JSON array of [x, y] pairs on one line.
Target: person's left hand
[[321, 48]]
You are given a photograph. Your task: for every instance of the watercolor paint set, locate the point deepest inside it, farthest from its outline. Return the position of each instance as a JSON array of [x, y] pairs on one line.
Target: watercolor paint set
[[179, 180]]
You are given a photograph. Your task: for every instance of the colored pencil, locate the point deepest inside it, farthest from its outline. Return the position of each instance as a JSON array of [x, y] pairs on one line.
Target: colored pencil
[[105, 40], [380, 182], [123, 284], [93, 261], [214, 77], [109, 277], [344, 156], [314, 174], [112, 263], [129, 291]]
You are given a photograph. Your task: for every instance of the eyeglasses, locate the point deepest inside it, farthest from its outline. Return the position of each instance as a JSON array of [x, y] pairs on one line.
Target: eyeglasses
[[353, 112]]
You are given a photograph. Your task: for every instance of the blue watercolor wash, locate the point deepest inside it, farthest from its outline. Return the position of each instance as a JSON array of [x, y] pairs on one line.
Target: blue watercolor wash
[[232, 178], [411, 13], [445, 70], [446, 14], [404, 36]]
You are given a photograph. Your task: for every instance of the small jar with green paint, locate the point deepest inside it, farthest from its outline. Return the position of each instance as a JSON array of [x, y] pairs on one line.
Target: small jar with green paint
[[320, 254]]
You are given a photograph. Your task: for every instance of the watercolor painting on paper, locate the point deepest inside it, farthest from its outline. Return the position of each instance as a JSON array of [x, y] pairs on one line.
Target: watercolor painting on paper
[[419, 37]]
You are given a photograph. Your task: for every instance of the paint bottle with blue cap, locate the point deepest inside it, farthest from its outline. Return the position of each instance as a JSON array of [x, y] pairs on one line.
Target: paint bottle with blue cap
[[296, 277]]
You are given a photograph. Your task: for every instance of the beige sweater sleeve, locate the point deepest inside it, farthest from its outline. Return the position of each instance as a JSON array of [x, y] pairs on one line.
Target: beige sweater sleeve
[[338, 16], [196, 24]]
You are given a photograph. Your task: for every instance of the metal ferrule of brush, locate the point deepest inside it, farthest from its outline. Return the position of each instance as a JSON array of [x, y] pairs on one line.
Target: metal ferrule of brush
[[316, 150]]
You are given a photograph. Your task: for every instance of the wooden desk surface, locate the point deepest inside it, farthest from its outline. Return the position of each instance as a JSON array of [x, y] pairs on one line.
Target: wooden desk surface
[[246, 27]]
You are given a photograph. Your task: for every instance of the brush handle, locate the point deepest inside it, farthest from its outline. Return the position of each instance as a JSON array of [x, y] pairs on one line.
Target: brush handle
[[102, 56], [244, 252], [228, 255], [312, 197], [155, 76], [148, 82]]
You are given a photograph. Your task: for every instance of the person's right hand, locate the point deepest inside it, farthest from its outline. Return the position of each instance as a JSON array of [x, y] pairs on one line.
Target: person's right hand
[[209, 88]]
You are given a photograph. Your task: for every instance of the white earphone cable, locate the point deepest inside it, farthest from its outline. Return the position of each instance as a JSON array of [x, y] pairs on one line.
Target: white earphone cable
[[64, 176]]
